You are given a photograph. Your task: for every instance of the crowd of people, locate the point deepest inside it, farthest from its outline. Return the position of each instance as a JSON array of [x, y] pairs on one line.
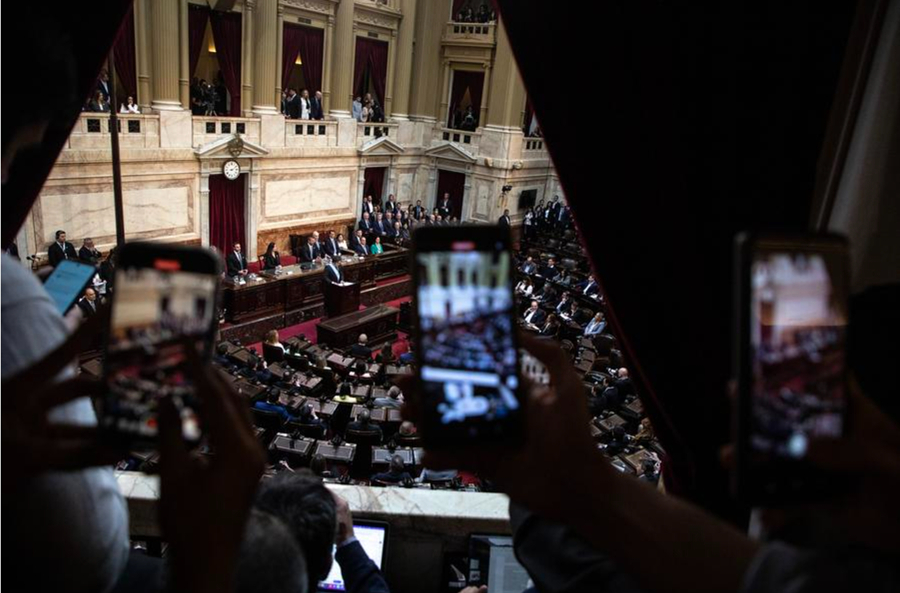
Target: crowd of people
[[366, 108], [302, 105]]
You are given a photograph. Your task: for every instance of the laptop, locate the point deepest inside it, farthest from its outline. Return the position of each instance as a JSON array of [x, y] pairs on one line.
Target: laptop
[[373, 536], [492, 562]]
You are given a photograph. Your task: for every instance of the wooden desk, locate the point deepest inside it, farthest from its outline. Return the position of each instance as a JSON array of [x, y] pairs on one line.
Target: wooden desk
[[378, 323]]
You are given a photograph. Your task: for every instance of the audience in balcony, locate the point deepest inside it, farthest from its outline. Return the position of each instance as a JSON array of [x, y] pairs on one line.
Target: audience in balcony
[[99, 103], [305, 106], [356, 109], [129, 106], [292, 104], [482, 14], [315, 106]]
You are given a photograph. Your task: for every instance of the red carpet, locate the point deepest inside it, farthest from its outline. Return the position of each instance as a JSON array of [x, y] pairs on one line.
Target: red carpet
[[308, 328]]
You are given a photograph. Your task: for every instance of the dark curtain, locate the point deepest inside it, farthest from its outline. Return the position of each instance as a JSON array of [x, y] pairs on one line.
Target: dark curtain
[[309, 43], [455, 184], [226, 28], [371, 56], [465, 80], [197, 18], [226, 213], [373, 183], [457, 6], [712, 123], [124, 56]]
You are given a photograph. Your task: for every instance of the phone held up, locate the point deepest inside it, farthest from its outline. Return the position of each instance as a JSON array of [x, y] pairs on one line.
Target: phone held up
[[465, 333], [164, 304], [791, 306]]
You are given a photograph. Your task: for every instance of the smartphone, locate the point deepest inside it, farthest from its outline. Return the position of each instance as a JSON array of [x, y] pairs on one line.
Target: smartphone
[[790, 362], [465, 332], [67, 282], [164, 303]]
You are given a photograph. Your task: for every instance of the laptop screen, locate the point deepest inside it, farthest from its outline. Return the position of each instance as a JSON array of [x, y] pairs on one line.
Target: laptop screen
[[373, 538]]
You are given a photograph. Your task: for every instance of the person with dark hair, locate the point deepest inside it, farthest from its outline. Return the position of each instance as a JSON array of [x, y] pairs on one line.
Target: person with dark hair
[[270, 404], [307, 415], [270, 558], [235, 261], [396, 473], [60, 250], [363, 423], [221, 356], [271, 259], [319, 466], [99, 103], [386, 356]]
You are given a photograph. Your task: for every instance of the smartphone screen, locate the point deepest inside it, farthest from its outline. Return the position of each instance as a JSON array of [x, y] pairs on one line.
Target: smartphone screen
[[797, 332], [164, 303], [67, 282], [468, 357]]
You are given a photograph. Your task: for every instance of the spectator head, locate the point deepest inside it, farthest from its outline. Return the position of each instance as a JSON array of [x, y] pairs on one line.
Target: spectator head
[[506, 212], [363, 416], [315, 235], [270, 558], [599, 317], [362, 241], [365, 217], [394, 392], [273, 395], [551, 262], [305, 94], [379, 216], [319, 95], [622, 373], [438, 217], [397, 224], [358, 99], [648, 466], [237, 247], [331, 234], [359, 367], [318, 465], [407, 428], [60, 236], [534, 305], [363, 339], [397, 464], [89, 243], [90, 294], [270, 248], [98, 97], [618, 433], [272, 337], [418, 202], [222, 349], [307, 507], [321, 363], [340, 237], [377, 240], [305, 412], [446, 195]]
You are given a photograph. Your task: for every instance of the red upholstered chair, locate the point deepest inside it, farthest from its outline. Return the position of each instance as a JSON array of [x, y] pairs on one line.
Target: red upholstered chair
[[288, 260], [253, 267]]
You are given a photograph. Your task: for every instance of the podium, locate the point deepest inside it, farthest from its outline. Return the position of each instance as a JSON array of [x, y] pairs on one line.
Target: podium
[[340, 299]]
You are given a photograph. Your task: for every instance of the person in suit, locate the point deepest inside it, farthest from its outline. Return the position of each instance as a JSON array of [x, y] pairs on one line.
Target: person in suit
[[365, 223], [564, 303], [395, 475], [271, 259], [376, 248], [418, 211], [88, 303], [378, 227], [363, 423], [504, 221], [360, 349], [528, 267], [391, 204], [315, 106], [60, 250], [103, 84], [369, 205], [534, 315], [236, 263], [394, 399], [88, 253], [596, 325], [623, 383], [589, 287], [360, 247], [292, 104], [388, 222], [399, 233], [444, 207], [551, 326], [270, 404], [550, 271], [311, 251], [333, 271], [330, 245]]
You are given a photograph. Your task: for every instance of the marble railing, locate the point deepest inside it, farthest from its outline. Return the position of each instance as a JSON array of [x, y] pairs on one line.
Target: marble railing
[[91, 131], [466, 139], [480, 33], [368, 131], [304, 132], [210, 128], [533, 148]]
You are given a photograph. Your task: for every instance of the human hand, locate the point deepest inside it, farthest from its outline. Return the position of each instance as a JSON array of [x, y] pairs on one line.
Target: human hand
[[557, 443], [344, 520], [204, 503]]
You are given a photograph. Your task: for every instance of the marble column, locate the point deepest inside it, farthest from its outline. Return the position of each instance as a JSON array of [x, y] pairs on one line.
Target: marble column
[[403, 49], [142, 48], [342, 61], [507, 92], [279, 55], [164, 43], [247, 65], [431, 19], [326, 68], [391, 75], [264, 68], [444, 109], [184, 65]]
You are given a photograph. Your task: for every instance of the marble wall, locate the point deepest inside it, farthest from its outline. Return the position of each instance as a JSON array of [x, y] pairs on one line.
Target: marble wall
[[306, 197]]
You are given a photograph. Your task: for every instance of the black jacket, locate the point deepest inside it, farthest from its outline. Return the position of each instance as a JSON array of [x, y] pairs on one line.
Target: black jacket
[[55, 253], [234, 264]]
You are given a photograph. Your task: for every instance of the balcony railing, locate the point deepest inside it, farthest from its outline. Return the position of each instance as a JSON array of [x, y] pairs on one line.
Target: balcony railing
[[305, 132], [91, 131], [533, 145], [367, 131], [207, 129], [478, 33], [466, 139]]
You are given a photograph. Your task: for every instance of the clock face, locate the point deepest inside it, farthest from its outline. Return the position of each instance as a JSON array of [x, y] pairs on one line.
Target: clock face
[[231, 169]]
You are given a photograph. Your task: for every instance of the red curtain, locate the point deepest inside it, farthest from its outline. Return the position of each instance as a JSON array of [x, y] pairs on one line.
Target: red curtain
[[197, 18], [465, 80], [226, 212], [123, 54], [373, 183], [371, 55], [455, 184], [309, 43], [226, 28]]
